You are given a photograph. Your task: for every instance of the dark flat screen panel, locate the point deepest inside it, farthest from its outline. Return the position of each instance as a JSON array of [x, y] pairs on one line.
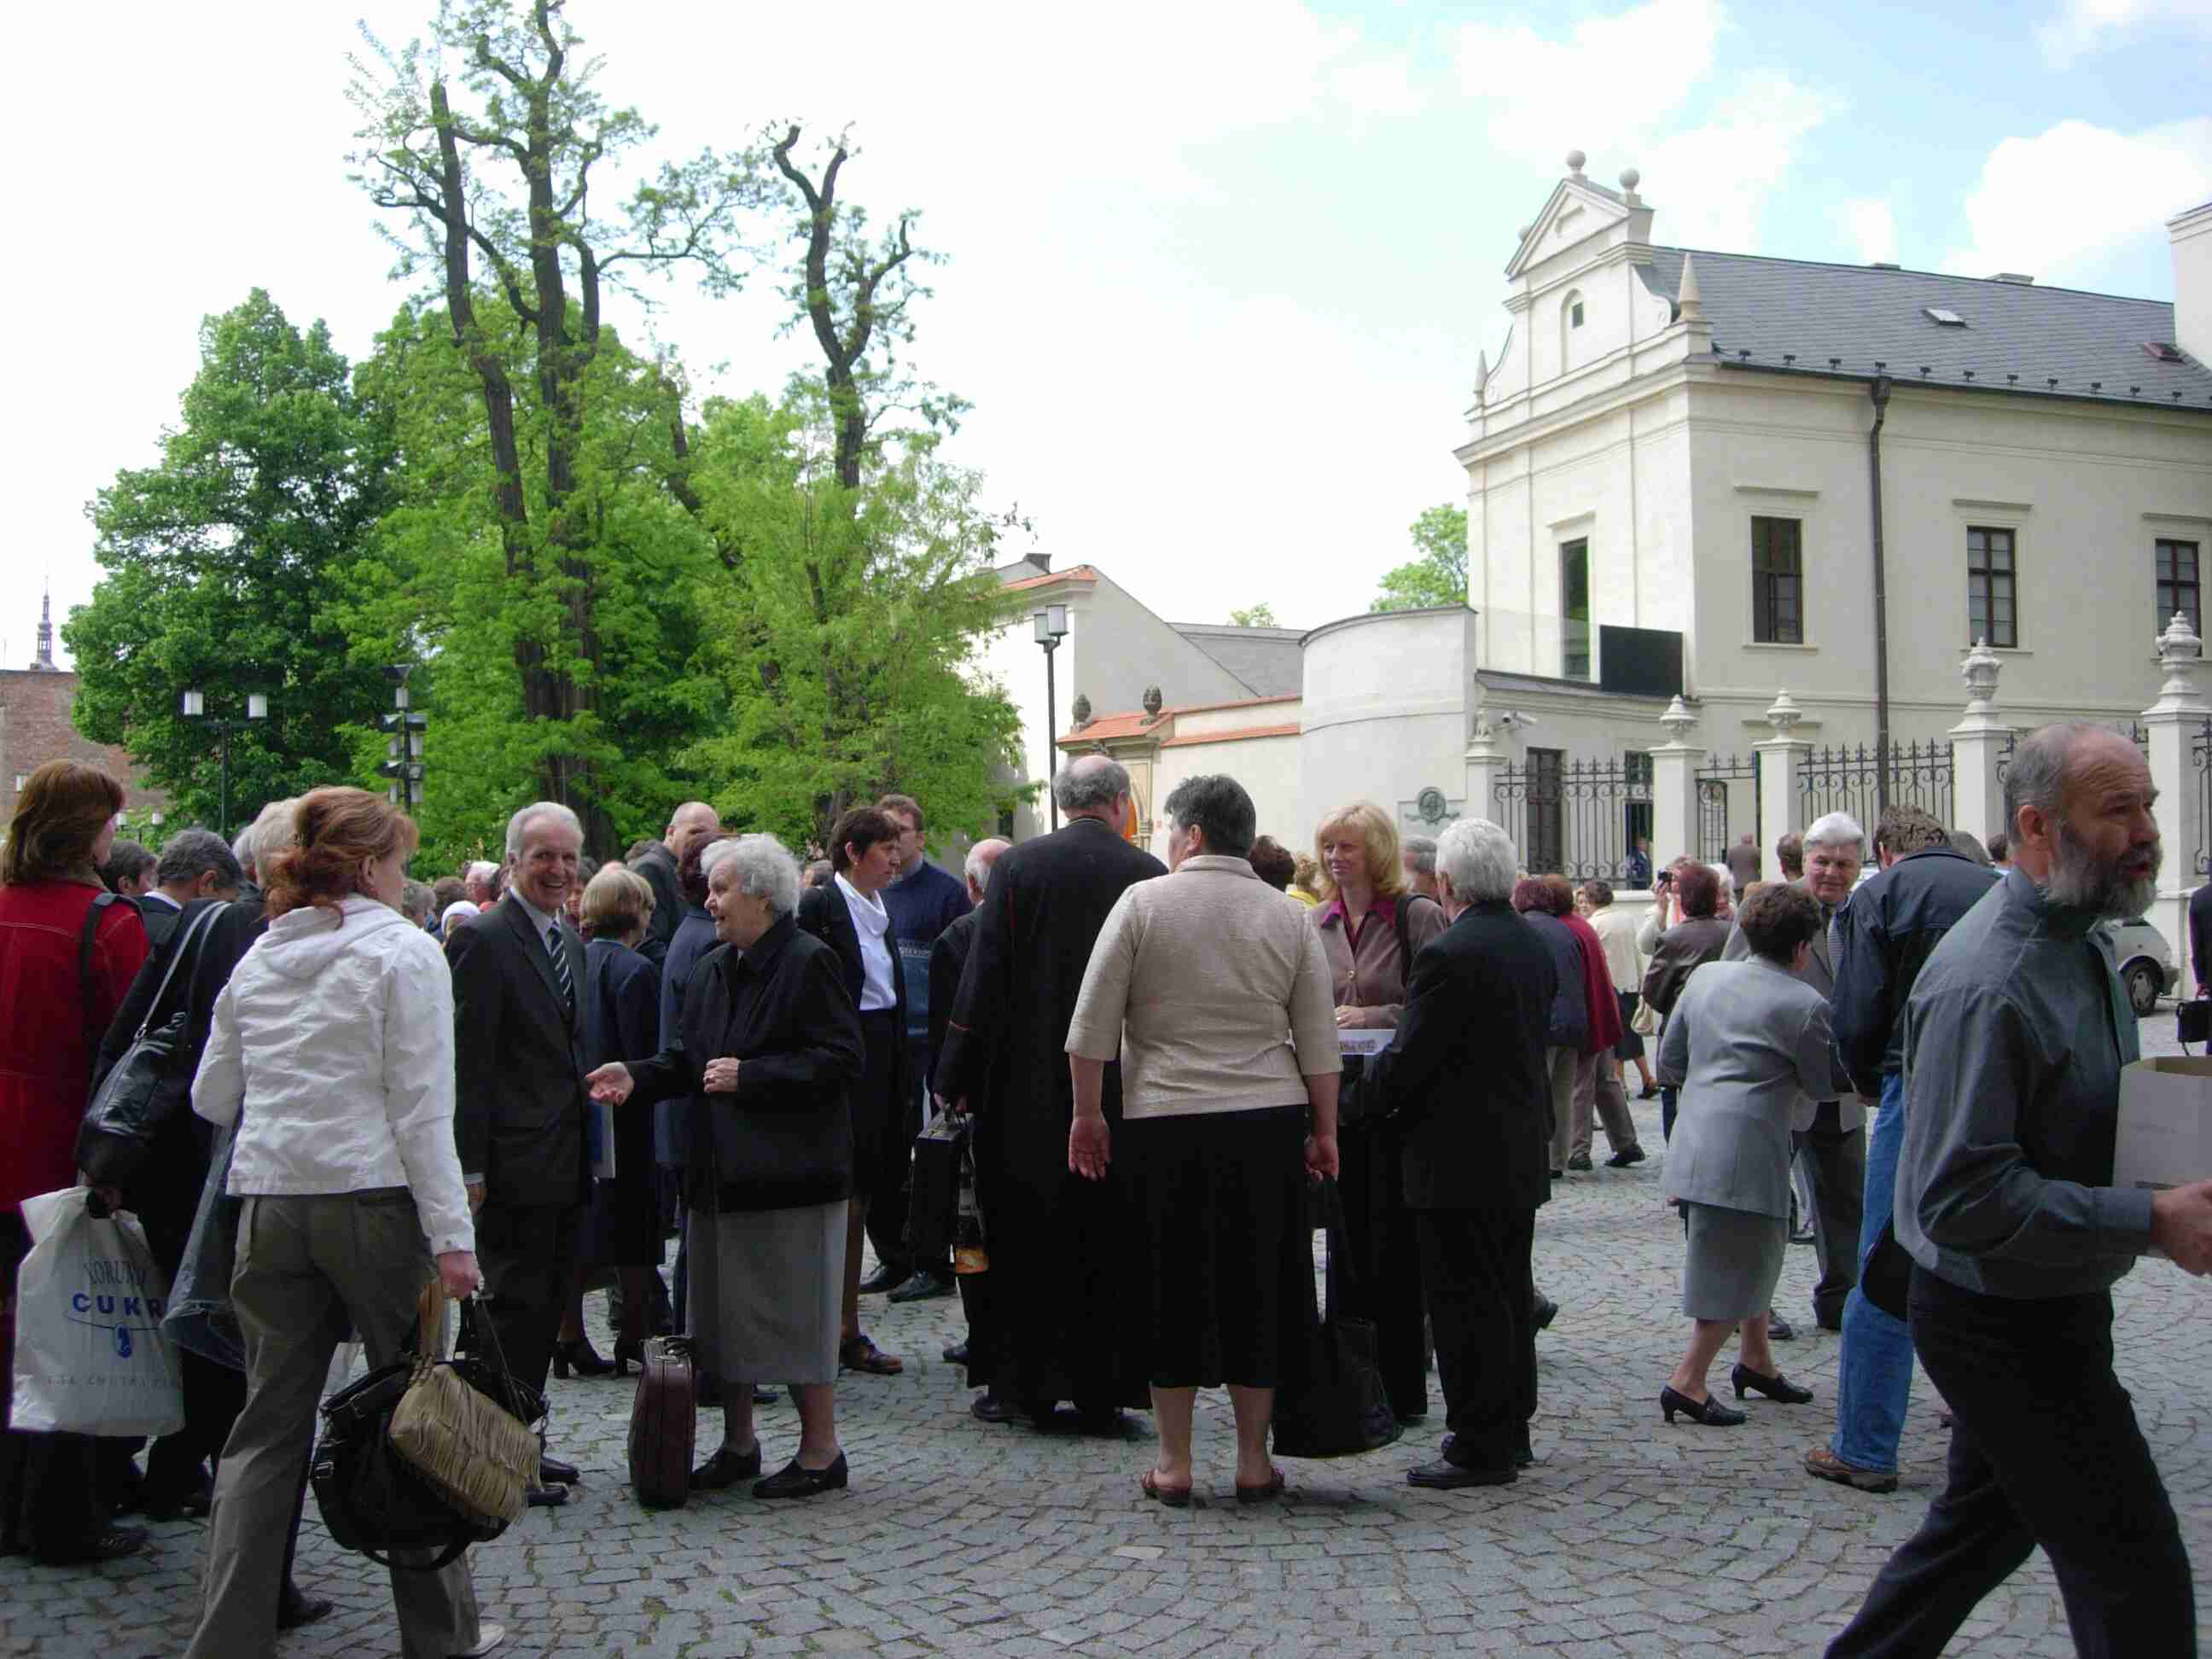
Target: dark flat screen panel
[[1641, 662]]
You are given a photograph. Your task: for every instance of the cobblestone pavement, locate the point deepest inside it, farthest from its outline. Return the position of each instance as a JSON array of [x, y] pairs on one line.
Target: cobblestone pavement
[[959, 1537]]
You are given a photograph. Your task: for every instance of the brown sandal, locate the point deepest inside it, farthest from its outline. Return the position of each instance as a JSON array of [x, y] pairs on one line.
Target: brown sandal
[[1175, 1497], [860, 1353]]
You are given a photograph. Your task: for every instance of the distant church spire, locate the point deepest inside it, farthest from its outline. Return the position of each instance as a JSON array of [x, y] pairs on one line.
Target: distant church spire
[[44, 662]]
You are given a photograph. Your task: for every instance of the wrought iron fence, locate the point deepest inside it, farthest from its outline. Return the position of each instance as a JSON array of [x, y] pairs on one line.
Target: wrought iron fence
[[2135, 731], [2200, 749], [1716, 779], [1848, 779], [1579, 820]]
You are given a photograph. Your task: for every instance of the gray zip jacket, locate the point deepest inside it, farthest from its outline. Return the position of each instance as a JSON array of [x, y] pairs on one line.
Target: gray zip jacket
[[2014, 1037]]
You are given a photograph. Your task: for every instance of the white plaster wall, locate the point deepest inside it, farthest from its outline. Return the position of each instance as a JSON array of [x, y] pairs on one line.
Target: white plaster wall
[[1385, 708], [1268, 767]]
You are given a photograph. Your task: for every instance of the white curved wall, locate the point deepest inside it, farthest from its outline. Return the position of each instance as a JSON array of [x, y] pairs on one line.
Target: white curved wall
[[1385, 708]]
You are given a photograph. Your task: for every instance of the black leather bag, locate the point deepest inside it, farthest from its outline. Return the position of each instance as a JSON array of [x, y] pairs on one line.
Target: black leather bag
[[1332, 1403], [1886, 1278], [144, 1089], [371, 1499], [2192, 1020], [933, 1209]]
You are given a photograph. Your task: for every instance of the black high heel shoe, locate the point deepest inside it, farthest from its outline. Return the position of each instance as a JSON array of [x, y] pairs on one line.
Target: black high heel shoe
[[1709, 1410], [580, 1357], [1776, 1388], [629, 1348]]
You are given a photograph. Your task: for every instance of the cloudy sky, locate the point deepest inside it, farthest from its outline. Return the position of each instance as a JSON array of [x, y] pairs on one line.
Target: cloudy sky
[[1220, 269]]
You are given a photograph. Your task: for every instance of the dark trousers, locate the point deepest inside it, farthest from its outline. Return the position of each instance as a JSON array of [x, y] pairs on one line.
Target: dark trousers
[[1385, 1260], [2046, 1451], [1836, 1162], [1477, 1267], [527, 1253], [888, 1208]]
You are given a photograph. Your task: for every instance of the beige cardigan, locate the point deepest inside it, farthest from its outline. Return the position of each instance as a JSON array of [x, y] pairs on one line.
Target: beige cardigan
[[1212, 989]]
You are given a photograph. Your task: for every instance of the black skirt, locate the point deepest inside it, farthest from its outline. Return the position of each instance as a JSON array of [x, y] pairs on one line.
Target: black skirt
[[1219, 1198], [880, 1144]]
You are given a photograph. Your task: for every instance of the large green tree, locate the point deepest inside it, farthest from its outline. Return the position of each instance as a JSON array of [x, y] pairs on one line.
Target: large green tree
[[489, 143], [1438, 576], [219, 566]]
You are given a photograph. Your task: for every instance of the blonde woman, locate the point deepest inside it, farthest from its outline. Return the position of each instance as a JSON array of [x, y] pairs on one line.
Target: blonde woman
[[1371, 925]]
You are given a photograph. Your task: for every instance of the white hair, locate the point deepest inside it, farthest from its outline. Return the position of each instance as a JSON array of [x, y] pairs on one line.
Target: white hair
[[1836, 829], [712, 854], [267, 837], [1477, 858], [518, 825], [981, 857], [482, 870], [760, 866]]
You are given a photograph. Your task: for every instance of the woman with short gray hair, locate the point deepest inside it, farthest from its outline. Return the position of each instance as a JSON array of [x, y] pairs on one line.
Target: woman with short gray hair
[[765, 1047], [1214, 992]]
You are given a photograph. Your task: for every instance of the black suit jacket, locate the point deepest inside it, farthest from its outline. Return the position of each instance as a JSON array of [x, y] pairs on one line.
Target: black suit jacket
[[823, 912], [518, 1061], [1465, 1074], [658, 865], [948, 960], [784, 1137], [159, 912]]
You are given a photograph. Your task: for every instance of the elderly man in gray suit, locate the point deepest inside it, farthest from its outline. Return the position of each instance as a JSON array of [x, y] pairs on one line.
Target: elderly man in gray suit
[[1830, 1133]]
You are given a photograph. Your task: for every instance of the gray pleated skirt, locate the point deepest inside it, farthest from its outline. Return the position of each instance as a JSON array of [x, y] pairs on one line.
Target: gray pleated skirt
[[766, 1296], [1734, 1263]]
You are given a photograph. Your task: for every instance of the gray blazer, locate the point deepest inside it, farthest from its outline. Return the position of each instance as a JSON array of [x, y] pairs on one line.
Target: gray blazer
[[1819, 973], [1748, 1040]]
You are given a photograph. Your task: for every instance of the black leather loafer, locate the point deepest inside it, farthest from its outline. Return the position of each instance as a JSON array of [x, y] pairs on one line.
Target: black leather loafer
[[794, 1480], [989, 1408], [554, 1471], [725, 1469], [1444, 1475]]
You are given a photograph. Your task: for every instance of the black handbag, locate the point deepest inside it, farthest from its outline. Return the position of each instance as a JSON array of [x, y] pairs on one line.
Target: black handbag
[[1332, 1403], [371, 1498], [1885, 1281], [933, 1214], [142, 1091]]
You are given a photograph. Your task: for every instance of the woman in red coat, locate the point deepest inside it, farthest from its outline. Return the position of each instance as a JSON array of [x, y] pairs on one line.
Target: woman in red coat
[[50, 1024]]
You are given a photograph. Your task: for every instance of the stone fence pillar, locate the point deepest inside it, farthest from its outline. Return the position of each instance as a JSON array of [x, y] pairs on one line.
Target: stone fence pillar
[[2175, 723], [1978, 746], [1781, 761], [1675, 789], [1486, 762]]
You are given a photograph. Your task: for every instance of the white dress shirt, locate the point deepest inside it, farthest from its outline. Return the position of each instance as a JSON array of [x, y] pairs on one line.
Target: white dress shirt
[[873, 924]]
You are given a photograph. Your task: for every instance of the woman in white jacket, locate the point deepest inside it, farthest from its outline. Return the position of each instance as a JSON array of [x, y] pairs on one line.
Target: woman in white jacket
[[332, 1052]]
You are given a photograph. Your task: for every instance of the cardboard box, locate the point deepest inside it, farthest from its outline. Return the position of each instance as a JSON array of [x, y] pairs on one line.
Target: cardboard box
[[2165, 1136]]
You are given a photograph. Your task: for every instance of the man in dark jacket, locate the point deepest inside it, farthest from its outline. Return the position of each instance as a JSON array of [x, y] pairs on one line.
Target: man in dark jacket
[[1566, 1021], [692, 825], [924, 901], [1057, 1243], [1883, 936], [1466, 1080], [948, 960], [518, 1095]]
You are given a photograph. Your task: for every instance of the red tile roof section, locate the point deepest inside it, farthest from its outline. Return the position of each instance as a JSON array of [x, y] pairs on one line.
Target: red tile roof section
[[1240, 735], [1081, 572]]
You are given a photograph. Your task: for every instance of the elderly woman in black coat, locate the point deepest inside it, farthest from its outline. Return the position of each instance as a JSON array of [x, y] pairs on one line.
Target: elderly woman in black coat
[[765, 1048]]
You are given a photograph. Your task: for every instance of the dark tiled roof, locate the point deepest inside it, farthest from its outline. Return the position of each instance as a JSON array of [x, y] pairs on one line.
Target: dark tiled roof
[[2091, 343], [1267, 660]]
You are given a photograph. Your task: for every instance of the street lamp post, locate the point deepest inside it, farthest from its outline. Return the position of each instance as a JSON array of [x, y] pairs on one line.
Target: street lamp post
[[195, 708], [404, 746], [1051, 629]]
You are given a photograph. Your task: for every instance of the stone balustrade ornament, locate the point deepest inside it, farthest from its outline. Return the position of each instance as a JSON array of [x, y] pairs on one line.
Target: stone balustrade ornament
[[2180, 653], [1679, 720], [1979, 668], [1784, 713]]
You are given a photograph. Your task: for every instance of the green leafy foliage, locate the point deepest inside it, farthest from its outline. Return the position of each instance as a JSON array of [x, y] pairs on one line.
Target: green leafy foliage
[[220, 563], [1261, 615], [1438, 576]]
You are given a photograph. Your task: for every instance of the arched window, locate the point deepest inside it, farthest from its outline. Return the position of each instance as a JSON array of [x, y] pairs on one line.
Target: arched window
[[1571, 323]]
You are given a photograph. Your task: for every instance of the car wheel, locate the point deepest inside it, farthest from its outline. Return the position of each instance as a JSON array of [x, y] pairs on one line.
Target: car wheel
[[2143, 981]]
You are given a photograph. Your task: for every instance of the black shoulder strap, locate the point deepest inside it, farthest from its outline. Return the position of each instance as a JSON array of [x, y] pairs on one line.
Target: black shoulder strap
[[88, 994]]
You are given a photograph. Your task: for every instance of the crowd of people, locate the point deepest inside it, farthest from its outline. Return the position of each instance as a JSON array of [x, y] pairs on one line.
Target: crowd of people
[[525, 1079]]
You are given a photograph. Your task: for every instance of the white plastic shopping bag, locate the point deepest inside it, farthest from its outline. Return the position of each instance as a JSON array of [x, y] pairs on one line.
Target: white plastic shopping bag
[[90, 1358]]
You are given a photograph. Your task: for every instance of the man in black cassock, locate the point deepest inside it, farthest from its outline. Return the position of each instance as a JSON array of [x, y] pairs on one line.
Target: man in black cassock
[[1062, 1250]]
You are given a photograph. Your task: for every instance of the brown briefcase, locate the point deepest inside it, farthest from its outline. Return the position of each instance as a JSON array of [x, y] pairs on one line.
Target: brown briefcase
[[664, 1424]]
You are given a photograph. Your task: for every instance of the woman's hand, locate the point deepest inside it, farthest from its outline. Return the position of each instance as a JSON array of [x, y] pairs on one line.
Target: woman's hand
[[721, 1077], [457, 1272], [1351, 1019], [1321, 1155], [610, 1085], [1090, 1147]]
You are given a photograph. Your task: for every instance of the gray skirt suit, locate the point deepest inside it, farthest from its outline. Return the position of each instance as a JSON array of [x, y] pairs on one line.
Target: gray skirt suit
[[1748, 1040]]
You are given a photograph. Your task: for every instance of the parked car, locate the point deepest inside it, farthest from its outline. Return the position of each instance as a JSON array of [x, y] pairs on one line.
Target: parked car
[[2147, 966]]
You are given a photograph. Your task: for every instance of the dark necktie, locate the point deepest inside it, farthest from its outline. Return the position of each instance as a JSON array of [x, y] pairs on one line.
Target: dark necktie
[[561, 974]]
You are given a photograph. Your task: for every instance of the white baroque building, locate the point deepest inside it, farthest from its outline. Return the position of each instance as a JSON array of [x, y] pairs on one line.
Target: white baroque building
[[1725, 476]]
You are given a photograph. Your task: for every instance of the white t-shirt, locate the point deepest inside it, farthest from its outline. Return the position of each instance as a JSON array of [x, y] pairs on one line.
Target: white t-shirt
[[873, 924]]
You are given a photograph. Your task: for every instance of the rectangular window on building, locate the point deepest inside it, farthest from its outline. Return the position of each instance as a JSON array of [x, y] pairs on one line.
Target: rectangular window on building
[[1545, 850], [1574, 610], [1990, 589], [1777, 582], [2177, 583]]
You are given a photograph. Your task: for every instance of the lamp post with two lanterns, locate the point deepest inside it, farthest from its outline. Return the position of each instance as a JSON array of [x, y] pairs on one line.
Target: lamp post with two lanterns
[[195, 709]]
